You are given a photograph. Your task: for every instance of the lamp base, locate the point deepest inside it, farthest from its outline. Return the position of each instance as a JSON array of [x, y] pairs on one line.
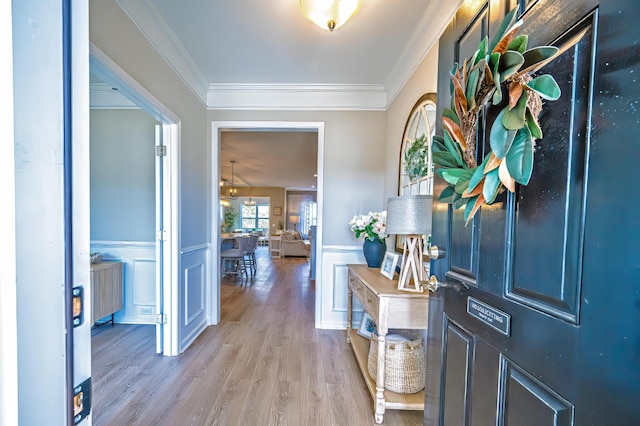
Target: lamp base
[[412, 272]]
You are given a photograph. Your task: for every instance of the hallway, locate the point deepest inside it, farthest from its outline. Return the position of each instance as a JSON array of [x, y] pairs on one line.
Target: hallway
[[265, 364]]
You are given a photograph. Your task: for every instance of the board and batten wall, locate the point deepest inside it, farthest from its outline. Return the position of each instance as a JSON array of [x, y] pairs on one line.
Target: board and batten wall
[[123, 204]]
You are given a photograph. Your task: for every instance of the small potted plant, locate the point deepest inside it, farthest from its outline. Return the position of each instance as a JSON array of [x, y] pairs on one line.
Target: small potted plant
[[230, 215], [371, 227]]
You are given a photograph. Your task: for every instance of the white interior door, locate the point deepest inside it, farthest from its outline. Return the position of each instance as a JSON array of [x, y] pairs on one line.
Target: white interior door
[[160, 238]]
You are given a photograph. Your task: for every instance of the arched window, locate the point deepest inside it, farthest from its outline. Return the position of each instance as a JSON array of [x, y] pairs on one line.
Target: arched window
[[416, 164]]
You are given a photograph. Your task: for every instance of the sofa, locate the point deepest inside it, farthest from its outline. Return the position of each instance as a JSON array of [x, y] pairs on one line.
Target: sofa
[[292, 244]]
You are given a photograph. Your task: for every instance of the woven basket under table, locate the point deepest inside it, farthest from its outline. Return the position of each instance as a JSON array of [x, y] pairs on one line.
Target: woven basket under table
[[405, 364]]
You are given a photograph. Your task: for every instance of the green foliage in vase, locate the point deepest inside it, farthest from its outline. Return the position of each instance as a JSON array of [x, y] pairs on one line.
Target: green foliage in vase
[[230, 215]]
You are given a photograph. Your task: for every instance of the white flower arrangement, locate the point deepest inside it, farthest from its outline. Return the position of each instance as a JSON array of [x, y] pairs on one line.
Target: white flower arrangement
[[372, 225]]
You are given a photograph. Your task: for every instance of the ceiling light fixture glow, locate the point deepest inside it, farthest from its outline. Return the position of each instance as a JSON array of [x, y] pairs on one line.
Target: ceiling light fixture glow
[[330, 14], [233, 192]]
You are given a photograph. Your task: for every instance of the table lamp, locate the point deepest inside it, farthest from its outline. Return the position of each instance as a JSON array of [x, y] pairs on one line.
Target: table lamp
[[410, 215], [294, 220]]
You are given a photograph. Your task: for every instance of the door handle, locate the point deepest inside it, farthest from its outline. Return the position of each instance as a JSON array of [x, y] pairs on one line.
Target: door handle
[[434, 252], [433, 285]]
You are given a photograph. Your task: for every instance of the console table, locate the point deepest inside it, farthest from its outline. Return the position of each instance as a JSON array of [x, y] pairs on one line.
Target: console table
[[389, 308], [106, 290]]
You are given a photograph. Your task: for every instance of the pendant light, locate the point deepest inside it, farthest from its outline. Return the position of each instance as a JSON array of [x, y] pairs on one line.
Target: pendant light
[[329, 14], [233, 192], [249, 202]]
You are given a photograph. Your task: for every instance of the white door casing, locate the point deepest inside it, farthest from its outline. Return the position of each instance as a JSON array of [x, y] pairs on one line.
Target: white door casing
[[168, 221]]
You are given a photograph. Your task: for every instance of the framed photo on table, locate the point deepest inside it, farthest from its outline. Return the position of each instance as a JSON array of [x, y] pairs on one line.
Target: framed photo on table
[[389, 264], [367, 326]]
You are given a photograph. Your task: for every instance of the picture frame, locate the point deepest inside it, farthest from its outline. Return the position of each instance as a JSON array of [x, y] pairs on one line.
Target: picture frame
[[389, 263], [277, 211], [367, 326]]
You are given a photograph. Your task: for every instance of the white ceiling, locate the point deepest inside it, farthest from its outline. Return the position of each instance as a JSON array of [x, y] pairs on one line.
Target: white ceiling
[[263, 54]]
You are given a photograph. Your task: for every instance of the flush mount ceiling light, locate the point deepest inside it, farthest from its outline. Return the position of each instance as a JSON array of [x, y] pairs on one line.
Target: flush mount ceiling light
[[330, 14]]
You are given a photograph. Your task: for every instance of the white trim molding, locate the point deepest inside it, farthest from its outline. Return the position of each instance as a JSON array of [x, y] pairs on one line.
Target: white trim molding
[[146, 16], [336, 97], [104, 96], [432, 24]]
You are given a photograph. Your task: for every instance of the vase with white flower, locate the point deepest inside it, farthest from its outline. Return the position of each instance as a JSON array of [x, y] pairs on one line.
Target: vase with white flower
[[371, 227]]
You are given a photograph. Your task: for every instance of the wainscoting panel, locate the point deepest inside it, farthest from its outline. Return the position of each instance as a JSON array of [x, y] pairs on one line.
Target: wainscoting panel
[[139, 278], [334, 288], [193, 291]]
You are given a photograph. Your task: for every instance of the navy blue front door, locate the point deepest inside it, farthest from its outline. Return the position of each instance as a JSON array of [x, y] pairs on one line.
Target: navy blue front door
[[559, 260]]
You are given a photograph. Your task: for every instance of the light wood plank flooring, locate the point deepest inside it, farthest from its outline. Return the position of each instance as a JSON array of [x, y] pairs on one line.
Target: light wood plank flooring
[[265, 364]]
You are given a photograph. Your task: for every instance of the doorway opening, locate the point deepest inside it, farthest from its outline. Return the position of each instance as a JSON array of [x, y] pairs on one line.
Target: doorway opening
[[160, 266], [220, 127]]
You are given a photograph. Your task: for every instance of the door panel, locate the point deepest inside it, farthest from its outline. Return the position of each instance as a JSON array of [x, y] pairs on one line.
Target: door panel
[[525, 401], [558, 257], [552, 204]]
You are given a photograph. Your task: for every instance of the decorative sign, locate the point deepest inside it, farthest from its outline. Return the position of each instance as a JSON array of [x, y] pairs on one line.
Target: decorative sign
[[489, 315]]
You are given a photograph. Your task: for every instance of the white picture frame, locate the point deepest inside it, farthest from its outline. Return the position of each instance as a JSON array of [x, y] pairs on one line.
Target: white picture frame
[[367, 326], [389, 263]]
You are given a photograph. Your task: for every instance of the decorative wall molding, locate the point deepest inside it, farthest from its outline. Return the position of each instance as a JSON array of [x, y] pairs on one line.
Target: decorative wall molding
[[146, 16], [194, 292], [334, 288], [138, 281], [103, 96]]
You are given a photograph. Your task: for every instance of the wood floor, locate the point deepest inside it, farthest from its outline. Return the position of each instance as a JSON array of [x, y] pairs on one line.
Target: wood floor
[[264, 364]]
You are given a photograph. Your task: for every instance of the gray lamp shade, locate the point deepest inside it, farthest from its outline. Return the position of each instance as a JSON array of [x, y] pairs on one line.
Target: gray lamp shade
[[409, 215]]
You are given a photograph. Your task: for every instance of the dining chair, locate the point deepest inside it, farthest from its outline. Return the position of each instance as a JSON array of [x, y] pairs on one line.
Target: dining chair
[[232, 261], [250, 254]]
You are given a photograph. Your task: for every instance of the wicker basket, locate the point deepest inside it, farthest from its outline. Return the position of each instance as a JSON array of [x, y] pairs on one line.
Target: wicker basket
[[405, 363]]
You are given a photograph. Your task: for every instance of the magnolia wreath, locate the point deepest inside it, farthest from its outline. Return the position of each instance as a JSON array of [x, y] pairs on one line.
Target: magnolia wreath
[[504, 65]]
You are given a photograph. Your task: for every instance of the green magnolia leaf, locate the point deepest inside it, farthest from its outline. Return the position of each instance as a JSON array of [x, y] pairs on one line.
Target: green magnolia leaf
[[510, 62], [452, 176], [445, 159], [536, 56], [519, 43], [545, 86], [463, 182], [497, 94], [482, 49], [478, 173], [513, 119], [446, 194], [451, 115], [459, 202], [453, 72], [453, 148], [533, 126], [519, 159], [491, 186], [500, 138], [472, 85], [494, 61], [506, 23], [471, 201]]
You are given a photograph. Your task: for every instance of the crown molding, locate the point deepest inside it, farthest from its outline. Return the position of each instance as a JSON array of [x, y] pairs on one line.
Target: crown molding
[[103, 96], [146, 16], [431, 26], [327, 97]]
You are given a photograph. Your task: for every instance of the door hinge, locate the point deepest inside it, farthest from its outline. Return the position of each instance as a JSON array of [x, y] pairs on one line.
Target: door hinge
[[161, 318], [161, 150], [161, 235]]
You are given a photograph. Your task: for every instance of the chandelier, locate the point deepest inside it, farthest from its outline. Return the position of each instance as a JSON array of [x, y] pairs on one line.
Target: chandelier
[[224, 202], [330, 14], [249, 202], [233, 192]]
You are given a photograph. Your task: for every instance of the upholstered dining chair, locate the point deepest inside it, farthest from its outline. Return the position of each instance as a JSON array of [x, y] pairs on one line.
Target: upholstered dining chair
[[250, 254], [232, 261]]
